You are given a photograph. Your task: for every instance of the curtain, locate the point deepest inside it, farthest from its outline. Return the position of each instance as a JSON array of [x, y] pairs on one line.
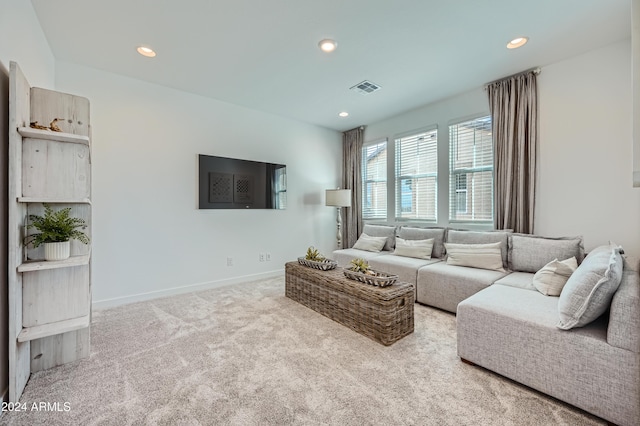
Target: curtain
[[352, 179], [513, 102]]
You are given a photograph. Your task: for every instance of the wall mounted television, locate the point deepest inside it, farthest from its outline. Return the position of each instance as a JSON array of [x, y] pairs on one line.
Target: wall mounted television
[[230, 183]]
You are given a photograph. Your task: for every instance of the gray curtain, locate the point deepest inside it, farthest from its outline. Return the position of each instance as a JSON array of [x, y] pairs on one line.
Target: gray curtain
[[514, 113], [352, 179]]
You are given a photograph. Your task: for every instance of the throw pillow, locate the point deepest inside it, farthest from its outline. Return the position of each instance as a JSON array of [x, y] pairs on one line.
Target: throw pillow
[[483, 256], [369, 243], [420, 249], [529, 253], [477, 237], [554, 275], [412, 233], [589, 290], [382, 231]]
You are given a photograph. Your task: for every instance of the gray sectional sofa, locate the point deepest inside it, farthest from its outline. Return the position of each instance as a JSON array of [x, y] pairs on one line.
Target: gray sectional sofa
[[506, 325]]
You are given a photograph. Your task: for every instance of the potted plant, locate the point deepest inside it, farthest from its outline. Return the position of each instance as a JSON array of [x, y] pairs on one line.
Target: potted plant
[[56, 230]]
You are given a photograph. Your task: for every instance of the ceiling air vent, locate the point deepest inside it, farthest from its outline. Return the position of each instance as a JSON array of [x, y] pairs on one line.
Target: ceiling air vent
[[365, 87]]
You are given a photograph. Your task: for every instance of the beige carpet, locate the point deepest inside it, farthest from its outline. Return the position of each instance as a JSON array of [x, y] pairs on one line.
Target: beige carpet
[[247, 355]]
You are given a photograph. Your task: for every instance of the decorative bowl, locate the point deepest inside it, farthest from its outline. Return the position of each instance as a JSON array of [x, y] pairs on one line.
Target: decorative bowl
[[380, 279], [323, 265]]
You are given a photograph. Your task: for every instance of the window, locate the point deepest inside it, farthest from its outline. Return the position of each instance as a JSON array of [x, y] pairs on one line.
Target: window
[[471, 171], [461, 193], [374, 180], [416, 173], [280, 187]]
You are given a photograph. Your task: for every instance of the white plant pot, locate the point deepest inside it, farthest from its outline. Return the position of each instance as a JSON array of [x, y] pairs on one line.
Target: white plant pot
[[57, 251]]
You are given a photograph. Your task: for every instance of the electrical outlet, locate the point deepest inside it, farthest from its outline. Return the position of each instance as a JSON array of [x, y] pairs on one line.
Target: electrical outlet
[[229, 261], [267, 256], [261, 257]]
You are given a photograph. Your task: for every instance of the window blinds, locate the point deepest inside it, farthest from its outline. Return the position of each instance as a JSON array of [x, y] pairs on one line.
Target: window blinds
[[416, 170], [471, 171], [374, 180]]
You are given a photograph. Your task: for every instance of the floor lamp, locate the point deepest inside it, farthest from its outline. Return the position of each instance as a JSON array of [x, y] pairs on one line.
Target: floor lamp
[[338, 198]]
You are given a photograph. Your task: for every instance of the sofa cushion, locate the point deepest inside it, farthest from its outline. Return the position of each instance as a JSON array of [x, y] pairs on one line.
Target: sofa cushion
[[624, 319], [382, 231], [523, 280], [444, 286], [475, 237], [420, 249], [554, 275], [369, 243], [406, 268], [345, 256], [483, 256], [529, 253], [410, 233], [589, 290]]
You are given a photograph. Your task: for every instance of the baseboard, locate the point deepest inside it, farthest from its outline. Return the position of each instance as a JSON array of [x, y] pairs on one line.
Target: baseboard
[[118, 301]]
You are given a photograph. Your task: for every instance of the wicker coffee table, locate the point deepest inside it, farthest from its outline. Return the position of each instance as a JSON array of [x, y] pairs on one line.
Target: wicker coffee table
[[384, 314]]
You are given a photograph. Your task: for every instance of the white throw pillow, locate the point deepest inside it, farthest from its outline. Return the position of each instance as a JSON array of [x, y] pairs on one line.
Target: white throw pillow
[[420, 249], [368, 243], [483, 256], [554, 275]]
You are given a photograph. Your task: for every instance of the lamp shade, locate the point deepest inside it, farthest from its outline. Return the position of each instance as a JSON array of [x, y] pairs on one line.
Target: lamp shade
[[338, 197]]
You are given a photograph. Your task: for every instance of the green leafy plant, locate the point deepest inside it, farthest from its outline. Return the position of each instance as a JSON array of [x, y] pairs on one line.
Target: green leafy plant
[[55, 227], [359, 265], [314, 254]]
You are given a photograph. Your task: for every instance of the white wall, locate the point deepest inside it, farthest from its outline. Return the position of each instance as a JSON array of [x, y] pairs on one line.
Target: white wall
[[586, 149], [148, 234], [585, 157], [22, 41]]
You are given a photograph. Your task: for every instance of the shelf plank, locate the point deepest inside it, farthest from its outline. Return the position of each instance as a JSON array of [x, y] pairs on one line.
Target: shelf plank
[[53, 200], [28, 132], [41, 265], [45, 330]]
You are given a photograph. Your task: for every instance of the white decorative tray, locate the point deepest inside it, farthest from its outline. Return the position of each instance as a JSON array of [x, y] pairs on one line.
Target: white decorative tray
[[380, 279], [324, 265]]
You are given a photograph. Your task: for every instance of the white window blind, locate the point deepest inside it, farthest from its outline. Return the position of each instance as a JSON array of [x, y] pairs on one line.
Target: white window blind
[[471, 171], [416, 171], [374, 180]]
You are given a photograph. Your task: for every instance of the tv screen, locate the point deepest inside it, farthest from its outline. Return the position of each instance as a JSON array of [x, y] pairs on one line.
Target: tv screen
[[230, 183]]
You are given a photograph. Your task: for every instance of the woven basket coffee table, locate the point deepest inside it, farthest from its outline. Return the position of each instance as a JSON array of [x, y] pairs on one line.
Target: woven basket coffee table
[[384, 314]]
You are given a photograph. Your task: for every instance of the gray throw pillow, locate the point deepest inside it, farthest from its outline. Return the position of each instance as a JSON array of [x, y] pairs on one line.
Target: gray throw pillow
[[530, 253], [382, 231], [589, 290], [410, 233]]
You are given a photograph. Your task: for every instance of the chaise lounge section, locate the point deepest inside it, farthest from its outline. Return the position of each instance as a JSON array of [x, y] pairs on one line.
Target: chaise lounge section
[[507, 325], [513, 332]]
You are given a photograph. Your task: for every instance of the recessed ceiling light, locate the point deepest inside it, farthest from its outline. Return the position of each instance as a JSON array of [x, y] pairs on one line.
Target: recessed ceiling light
[[328, 45], [146, 51], [344, 114], [517, 42]]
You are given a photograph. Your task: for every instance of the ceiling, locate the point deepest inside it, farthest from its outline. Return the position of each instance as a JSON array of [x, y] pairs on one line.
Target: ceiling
[[263, 54]]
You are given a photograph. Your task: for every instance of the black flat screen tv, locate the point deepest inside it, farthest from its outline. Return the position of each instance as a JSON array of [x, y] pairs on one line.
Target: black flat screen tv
[[230, 183]]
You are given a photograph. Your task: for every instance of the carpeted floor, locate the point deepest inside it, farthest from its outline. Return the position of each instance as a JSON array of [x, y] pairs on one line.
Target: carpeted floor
[[247, 355]]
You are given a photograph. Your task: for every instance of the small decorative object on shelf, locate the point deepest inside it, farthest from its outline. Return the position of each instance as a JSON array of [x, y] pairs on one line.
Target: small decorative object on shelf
[[53, 126], [360, 271], [56, 230], [314, 259], [35, 125]]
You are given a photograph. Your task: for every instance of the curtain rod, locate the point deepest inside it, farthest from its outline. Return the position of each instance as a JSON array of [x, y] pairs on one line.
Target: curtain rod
[[535, 70]]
